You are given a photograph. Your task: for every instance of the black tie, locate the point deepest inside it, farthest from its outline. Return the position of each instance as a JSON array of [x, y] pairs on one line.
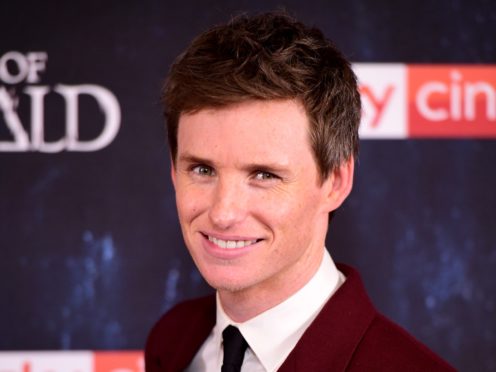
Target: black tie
[[234, 349]]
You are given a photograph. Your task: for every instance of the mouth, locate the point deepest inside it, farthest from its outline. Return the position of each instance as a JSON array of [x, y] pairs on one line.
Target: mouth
[[230, 244]]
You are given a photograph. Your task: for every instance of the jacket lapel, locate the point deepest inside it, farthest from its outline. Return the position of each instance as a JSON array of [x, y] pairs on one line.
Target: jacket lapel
[[330, 341]]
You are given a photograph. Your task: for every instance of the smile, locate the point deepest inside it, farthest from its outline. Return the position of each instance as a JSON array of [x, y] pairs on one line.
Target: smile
[[231, 244]]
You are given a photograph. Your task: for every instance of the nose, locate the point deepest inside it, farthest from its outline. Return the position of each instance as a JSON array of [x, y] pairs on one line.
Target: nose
[[228, 206]]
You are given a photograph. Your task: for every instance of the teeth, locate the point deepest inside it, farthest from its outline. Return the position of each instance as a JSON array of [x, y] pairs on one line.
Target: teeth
[[231, 244]]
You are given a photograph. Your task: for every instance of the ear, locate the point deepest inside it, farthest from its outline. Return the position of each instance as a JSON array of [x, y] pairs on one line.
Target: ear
[[173, 172], [338, 184]]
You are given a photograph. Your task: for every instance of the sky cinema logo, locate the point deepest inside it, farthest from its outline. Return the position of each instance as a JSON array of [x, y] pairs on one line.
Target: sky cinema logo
[[427, 101], [21, 74]]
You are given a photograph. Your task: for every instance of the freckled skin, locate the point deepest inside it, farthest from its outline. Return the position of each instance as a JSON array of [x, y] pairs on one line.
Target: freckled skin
[[247, 171]]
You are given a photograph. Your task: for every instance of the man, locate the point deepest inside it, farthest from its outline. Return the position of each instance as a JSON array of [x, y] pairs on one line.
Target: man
[[263, 118]]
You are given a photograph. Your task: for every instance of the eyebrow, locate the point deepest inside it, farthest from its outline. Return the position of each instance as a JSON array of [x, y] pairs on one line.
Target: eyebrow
[[251, 167], [192, 159]]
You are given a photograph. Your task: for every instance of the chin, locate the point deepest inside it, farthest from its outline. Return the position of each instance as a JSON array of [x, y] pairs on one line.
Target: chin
[[225, 282]]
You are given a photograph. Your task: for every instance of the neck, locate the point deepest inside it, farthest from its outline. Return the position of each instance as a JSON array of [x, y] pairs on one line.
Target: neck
[[247, 303]]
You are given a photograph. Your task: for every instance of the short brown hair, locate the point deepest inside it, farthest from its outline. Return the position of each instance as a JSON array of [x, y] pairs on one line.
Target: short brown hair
[[264, 57]]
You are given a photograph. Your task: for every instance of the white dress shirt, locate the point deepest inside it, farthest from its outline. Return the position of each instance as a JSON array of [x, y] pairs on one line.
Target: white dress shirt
[[272, 334]]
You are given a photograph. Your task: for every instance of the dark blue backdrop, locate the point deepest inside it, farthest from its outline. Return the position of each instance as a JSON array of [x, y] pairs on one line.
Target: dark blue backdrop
[[90, 248]]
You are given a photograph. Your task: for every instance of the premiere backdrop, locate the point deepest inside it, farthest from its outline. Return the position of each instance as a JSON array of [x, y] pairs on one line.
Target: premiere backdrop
[[90, 248]]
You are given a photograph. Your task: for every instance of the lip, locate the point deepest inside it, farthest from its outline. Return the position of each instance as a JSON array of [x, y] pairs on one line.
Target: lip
[[214, 250]]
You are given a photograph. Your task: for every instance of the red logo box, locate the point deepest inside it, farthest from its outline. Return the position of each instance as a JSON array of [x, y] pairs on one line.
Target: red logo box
[[452, 101], [118, 361]]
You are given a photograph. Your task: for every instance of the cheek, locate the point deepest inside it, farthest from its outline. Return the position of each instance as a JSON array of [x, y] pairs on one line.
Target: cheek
[[276, 211], [292, 213], [190, 203]]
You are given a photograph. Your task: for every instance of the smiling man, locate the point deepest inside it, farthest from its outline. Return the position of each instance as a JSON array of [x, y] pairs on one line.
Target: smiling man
[[263, 118]]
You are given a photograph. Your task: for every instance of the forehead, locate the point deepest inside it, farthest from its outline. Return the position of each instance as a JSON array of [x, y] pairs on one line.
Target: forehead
[[259, 127]]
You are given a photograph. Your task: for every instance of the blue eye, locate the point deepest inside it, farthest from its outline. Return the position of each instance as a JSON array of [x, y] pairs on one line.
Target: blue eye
[[203, 170]]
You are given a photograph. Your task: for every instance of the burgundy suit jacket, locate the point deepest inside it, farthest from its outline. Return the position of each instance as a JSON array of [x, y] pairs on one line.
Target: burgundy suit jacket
[[347, 335]]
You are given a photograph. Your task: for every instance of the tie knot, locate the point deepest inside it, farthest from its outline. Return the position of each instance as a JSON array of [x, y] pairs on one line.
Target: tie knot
[[234, 349]]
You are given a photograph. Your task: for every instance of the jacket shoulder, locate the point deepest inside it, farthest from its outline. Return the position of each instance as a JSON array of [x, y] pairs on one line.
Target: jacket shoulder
[[386, 346], [173, 320], [178, 334]]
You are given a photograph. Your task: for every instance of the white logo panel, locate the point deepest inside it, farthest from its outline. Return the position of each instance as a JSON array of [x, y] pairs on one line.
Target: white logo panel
[[383, 88]]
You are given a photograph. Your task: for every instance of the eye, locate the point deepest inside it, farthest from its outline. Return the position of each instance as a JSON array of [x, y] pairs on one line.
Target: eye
[[203, 170], [261, 175]]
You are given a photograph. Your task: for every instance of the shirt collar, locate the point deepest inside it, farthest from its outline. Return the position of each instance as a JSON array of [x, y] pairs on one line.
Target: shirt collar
[[286, 322]]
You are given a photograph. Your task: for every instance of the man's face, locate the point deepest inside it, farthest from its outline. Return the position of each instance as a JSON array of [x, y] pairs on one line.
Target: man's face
[[252, 209]]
